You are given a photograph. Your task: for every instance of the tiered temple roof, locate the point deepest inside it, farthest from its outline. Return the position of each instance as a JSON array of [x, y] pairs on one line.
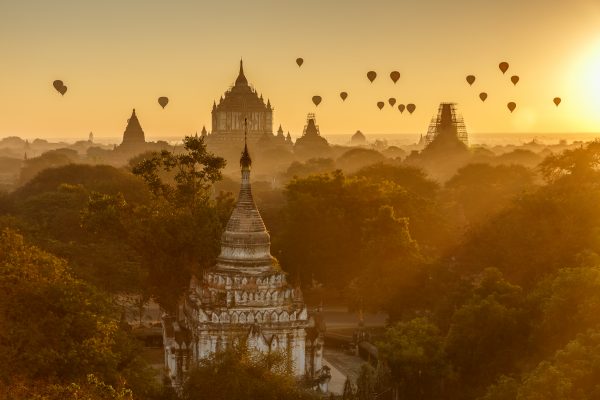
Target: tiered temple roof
[[241, 102], [242, 96]]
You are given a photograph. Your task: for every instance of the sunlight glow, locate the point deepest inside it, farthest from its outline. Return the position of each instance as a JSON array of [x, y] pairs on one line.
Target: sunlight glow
[[589, 77]]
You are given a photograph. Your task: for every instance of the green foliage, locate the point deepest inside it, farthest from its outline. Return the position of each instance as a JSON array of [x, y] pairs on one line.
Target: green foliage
[[49, 159], [354, 159], [97, 178], [567, 304], [92, 389], [482, 190], [505, 389], [54, 327], [177, 234], [412, 179], [414, 351], [365, 383], [573, 373], [526, 328], [489, 332], [237, 374], [49, 210], [544, 231], [327, 218], [580, 164], [391, 277], [312, 166], [194, 172]]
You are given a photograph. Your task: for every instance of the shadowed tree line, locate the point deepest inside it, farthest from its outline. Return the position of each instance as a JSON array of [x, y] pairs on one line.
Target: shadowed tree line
[[490, 279]]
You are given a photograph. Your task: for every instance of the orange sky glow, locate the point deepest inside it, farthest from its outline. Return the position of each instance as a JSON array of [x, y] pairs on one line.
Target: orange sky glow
[[115, 55]]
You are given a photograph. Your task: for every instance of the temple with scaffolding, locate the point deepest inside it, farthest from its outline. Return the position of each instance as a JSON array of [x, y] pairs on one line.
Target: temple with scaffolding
[[447, 123], [311, 143]]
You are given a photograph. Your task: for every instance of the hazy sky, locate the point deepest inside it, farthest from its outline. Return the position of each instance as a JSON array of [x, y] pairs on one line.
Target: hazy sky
[[118, 54]]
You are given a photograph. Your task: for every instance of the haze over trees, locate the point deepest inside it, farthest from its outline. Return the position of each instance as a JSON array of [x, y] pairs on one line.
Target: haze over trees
[[490, 278]]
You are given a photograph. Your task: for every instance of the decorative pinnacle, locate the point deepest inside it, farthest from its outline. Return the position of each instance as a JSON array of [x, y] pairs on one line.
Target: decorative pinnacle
[[245, 160]]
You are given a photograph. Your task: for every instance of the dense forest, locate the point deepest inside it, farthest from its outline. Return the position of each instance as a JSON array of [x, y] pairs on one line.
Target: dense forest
[[489, 273]]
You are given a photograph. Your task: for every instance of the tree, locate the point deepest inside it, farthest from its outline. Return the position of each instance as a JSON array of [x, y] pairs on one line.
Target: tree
[[573, 373], [325, 216], [391, 277], [49, 209], [49, 159], [354, 159], [566, 304], [312, 166], [365, 383], [178, 233], [194, 173], [413, 179], [91, 389], [548, 229], [414, 351], [239, 374], [489, 333], [575, 165], [481, 190], [56, 328]]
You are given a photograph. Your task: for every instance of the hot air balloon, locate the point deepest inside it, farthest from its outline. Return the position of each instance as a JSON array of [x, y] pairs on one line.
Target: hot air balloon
[[395, 75], [299, 61], [392, 101], [557, 101], [163, 101], [514, 79], [59, 86], [380, 104], [511, 106], [470, 79], [371, 75], [401, 107], [343, 95], [503, 66], [411, 108], [316, 100], [483, 96]]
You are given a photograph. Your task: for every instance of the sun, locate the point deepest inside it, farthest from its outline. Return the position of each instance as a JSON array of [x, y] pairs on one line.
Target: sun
[[588, 76], [583, 99]]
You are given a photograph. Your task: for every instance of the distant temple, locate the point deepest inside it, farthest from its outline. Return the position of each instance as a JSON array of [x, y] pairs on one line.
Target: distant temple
[[311, 143], [448, 125], [239, 103], [244, 299], [133, 137], [358, 139]]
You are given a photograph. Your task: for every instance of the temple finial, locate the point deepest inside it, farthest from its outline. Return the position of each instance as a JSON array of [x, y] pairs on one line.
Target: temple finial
[[241, 79], [245, 160]]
